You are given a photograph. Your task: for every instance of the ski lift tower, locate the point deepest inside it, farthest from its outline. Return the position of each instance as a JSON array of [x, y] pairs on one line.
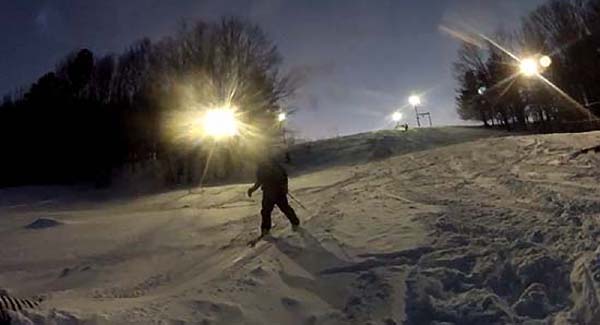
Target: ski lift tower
[[415, 101]]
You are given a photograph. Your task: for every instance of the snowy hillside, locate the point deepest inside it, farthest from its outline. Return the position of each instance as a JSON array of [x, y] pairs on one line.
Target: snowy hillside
[[437, 226], [366, 147]]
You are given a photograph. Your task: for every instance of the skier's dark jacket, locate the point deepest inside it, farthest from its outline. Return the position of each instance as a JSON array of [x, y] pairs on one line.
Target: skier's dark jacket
[[273, 179]]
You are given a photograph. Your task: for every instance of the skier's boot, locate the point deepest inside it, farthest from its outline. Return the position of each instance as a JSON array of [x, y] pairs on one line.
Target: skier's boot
[[295, 227], [264, 232]]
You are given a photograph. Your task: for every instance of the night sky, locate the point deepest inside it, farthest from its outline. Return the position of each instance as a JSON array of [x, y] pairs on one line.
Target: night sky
[[362, 59]]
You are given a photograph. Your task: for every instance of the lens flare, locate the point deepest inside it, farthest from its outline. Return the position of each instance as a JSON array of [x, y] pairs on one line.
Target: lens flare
[[545, 61], [220, 122], [397, 116], [529, 67]]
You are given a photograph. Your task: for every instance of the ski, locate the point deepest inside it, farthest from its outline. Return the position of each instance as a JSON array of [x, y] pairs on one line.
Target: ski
[[255, 241]]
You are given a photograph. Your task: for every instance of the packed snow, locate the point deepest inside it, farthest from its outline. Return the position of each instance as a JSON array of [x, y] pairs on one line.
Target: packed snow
[[431, 226]]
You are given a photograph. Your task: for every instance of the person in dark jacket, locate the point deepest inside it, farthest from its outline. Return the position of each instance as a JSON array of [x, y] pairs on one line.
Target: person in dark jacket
[[272, 178]]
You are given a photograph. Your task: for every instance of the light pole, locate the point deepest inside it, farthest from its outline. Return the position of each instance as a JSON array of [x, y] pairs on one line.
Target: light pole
[[397, 117], [481, 91], [281, 118], [415, 101], [534, 67], [218, 123], [221, 122]]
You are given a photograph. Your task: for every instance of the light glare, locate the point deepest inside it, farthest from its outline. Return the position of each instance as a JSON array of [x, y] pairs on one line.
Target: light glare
[[529, 67], [220, 122], [281, 117], [397, 116], [414, 100], [575, 103]]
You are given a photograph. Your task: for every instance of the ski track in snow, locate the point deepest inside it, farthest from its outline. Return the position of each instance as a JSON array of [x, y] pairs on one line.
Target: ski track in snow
[[429, 228]]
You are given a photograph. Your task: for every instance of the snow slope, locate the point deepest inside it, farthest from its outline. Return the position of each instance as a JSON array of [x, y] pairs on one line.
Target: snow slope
[[430, 228]]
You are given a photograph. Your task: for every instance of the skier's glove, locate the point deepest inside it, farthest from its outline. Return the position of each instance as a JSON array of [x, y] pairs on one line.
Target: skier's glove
[[250, 191]]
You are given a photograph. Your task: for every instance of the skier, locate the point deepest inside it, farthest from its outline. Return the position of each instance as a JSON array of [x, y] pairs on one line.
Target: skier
[[273, 179]]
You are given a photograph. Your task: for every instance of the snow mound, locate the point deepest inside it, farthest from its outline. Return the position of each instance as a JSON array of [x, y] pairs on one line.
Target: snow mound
[[42, 223]]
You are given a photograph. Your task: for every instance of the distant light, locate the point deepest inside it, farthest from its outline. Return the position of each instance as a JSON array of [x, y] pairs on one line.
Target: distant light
[[397, 116], [414, 100], [281, 117], [481, 90], [545, 61], [220, 122], [529, 67]]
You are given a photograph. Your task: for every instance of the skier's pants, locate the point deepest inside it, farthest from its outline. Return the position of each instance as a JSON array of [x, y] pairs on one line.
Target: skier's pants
[[269, 202]]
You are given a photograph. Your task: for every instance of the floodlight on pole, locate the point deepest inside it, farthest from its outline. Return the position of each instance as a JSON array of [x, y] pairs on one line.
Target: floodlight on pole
[[220, 122], [281, 117], [415, 101], [217, 123], [529, 67], [397, 117]]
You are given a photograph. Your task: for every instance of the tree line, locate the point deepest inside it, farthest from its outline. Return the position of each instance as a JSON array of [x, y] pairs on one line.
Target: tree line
[[564, 97], [92, 115]]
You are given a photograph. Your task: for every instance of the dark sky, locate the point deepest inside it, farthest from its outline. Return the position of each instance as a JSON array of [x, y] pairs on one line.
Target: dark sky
[[363, 58]]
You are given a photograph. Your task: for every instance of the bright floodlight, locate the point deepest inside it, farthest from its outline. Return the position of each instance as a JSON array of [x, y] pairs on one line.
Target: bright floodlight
[[545, 61], [414, 100], [397, 116], [220, 122], [281, 117], [529, 67]]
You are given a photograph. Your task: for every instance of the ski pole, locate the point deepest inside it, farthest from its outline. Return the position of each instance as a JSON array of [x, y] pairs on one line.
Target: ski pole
[[296, 200]]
